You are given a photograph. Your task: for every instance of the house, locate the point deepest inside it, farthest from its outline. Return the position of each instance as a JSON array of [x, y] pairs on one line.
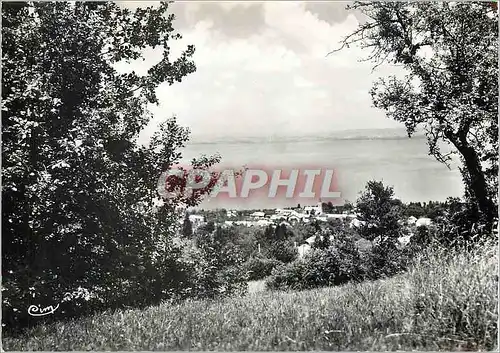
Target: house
[[356, 223], [339, 216], [404, 240], [264, 222], [310, 240], [313, 210], [423, 222], [196, 220], [412, 220], [276, 217], [303, 249], [284, 213], [258, 215], [293, 219]]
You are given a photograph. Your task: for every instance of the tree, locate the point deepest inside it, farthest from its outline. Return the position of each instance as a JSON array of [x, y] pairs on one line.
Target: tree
[[348, 207], [283, 251], [280, 232], [451, 90], [379, 211], [187, 227], [78, 191], [224, 272]]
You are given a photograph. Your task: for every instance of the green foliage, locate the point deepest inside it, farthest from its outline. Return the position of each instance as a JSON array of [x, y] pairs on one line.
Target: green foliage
[[441, 289], [222, 270], [385, 259], [79, 222], [187, 227], [380, 212], [283, 251], [464, 72], [334, 265], [259, 267]]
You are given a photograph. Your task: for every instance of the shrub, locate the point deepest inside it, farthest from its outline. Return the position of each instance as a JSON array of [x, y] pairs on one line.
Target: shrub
[[287, 276], [384, 259], [283, 251], [259, 267], [335, 265], [221, 271]]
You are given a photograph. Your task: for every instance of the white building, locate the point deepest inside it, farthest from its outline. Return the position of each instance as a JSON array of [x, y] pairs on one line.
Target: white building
[[276, 217], [196, 220], [356, 223], [404, 240], [423, 222], [264, 223], [303, 249], [258, 215], [314, 210], [412, 220]]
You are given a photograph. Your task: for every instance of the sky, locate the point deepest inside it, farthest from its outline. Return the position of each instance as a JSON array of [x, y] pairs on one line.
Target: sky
[[263, 69]]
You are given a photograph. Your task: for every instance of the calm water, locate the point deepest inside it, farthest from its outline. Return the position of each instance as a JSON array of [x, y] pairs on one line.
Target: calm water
[[356, 157]]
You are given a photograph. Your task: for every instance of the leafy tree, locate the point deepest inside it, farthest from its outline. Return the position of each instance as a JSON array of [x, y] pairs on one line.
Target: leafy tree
[[207, 228], [348, 207], [280, 232], [224, 270], [303, 231], [282, 251], [414, 209], [322, 241], [380, 212], [451, 90], [78, 191], [247, 240], [187, 227], [318, 243], [327, 207]]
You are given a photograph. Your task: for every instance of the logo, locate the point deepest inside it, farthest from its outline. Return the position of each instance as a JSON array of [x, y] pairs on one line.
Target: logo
[[298, 184], [34, 310]]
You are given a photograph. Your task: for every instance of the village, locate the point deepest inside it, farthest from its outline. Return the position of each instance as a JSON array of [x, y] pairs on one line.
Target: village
[[291, 217]]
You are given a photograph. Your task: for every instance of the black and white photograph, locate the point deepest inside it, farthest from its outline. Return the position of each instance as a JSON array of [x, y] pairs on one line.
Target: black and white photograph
[[249, 175]]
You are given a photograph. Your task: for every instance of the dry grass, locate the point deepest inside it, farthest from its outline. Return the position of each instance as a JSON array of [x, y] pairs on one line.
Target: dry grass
[[256, 286], [445, 302]]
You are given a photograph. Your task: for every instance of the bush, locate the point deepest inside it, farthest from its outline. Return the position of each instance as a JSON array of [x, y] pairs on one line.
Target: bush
[[260, 267], [385, 260], [283, 251], [220, 268], [287, 276], [335, 265]]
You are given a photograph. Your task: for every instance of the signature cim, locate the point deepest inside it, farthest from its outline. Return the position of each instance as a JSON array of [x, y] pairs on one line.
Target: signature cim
[[34, 310]]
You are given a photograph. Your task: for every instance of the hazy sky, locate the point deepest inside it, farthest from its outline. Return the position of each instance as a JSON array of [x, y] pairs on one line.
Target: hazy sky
[[262, 70]]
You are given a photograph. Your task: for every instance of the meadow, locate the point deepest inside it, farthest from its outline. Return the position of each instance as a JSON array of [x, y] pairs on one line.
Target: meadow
[[445, 301]]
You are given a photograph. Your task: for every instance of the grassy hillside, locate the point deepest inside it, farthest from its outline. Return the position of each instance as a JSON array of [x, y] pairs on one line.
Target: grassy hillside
[[446, 301]]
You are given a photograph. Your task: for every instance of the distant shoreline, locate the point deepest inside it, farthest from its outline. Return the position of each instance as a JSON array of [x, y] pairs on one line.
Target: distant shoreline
[[362, 134]]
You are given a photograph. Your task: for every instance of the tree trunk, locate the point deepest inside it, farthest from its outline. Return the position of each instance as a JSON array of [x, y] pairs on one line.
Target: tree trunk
[[477, 184]]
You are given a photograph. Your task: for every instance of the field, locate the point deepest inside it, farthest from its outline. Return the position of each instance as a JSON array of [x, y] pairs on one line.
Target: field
[[445, 302]]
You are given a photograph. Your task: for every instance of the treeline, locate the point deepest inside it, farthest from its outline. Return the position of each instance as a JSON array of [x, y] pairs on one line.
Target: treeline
[[373, 250]]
